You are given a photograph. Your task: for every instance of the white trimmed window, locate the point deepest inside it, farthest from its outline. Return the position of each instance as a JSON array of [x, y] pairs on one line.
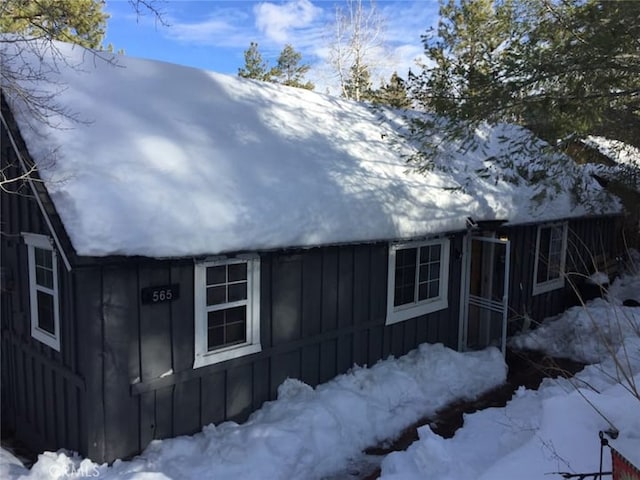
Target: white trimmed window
[[551, 254], [227, 309], [43, 289], [418, 279]]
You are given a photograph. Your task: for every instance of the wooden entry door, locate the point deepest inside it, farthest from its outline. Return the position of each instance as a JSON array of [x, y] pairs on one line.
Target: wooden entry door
[[484, 312]]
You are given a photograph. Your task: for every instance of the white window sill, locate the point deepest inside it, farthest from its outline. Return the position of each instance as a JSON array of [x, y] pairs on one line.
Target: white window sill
[[45, 337], [402, 313], [218, 356], [556, 284]]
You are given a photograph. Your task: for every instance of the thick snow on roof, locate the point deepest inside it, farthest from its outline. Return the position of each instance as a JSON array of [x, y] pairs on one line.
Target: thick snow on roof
[[163, 160], [619, 152], [625, 158]]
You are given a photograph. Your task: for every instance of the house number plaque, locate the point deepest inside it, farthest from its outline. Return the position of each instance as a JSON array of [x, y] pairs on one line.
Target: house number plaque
[[161, 294]]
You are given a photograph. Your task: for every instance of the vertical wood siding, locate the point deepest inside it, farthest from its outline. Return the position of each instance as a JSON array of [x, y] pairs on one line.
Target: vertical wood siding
[[322, 311], [587, 238], [42, 389]]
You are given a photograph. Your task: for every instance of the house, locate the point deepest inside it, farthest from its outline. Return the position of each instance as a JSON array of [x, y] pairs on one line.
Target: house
[[190, 240], [616, 166]]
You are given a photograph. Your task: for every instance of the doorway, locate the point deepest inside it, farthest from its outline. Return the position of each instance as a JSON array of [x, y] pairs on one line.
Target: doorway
[[485, 293]]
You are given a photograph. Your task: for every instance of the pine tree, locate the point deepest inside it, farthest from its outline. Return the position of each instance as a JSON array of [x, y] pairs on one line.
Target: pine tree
[[393, 94], [357, 86], [76, 21], [465, 50], [289, 71], [254, 66], [565, 69], [562, 68], [34, 23]]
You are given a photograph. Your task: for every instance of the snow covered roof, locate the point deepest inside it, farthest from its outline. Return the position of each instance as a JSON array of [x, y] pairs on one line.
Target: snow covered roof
[[166, 161], [617, 151], [625, 158]]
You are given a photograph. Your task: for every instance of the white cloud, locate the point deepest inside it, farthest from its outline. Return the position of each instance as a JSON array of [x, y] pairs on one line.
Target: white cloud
[[305, 24], [220, 27], [276, 20], [405, 57], [207, 31]]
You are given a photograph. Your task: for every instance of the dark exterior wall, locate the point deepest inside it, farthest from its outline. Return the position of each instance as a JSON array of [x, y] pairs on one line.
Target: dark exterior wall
[[592, 238], [322, 311], [587, 238], [42, 389]]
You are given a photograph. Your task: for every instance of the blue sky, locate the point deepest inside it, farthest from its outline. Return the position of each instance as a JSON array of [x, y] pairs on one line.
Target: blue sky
[[213, 34]]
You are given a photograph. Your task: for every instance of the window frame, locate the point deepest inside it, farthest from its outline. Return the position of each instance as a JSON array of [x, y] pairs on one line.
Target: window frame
[[42, 242], [203, 356], [554, 283], [418, 308]]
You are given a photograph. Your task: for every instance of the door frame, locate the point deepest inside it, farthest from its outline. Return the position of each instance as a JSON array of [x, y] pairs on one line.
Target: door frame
[[465, 285]]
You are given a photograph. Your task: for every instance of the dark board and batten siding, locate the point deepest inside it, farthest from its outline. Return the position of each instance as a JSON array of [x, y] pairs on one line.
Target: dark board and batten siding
[[322, 311], [522, 303], [43, 390], [587, 238]]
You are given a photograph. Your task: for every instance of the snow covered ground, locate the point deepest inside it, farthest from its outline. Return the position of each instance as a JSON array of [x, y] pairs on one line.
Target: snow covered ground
[[318, 433], [556, 427]]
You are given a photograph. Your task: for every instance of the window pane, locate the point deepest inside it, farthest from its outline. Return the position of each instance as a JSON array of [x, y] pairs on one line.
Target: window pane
[[403, 295], [554, 266], [45, 313], [555, 253], [44, 277], [550, 254], [434, 271], [237, 272], [216, 275], [543, 255], [543, 271], [405, 276], [434, 289], [216, 319], [236, 333], [226, 327], [216, 295], [236, 314], [215, 338], [44, 267], [427, 260], [237, 291], [423, 289], [434, 253], [545, 238], [406, 257], [44, 257], [429, 290], [424, 273]]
